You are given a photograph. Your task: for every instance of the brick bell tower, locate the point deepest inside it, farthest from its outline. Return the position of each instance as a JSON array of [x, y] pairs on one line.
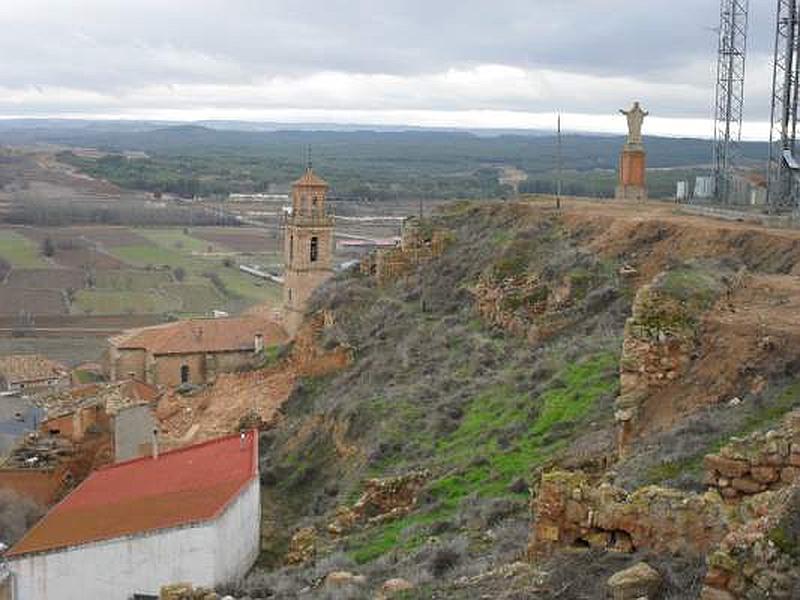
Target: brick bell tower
[[307, 246]]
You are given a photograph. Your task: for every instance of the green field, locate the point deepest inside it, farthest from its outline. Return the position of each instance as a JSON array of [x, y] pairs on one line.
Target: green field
[[195, 298], [131, 280], [19, 250], [174, 249], [103, 302], [176, 239]]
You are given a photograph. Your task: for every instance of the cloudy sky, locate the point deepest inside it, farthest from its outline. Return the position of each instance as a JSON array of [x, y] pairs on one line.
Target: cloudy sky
[[472, 63]]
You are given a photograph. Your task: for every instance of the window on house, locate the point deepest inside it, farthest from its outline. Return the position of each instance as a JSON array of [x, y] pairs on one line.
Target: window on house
[[314, 249], [185, 374]]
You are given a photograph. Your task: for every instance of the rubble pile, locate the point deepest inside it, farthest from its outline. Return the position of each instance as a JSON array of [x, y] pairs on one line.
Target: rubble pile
[[382, 500]]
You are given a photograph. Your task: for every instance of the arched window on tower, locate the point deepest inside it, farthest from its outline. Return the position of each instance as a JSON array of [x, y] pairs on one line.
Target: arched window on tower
[[314, 255], [291, 246]]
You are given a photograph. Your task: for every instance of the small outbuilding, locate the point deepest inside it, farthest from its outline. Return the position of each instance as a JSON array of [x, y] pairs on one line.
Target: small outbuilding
[[191, 514]]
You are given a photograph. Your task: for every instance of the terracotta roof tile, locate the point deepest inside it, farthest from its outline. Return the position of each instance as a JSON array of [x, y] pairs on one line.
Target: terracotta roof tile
[[29, 367], [203, 335], [181, 487]]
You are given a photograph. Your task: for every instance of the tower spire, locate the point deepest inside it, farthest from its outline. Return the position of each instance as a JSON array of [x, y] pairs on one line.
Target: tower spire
[[308, 157]]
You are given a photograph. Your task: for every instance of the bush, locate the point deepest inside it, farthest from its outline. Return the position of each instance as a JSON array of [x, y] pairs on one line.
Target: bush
[[48, 247], [17, 515]]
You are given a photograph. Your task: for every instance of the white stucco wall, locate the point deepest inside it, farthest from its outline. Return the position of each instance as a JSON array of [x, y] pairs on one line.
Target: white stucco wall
[[207, 555]]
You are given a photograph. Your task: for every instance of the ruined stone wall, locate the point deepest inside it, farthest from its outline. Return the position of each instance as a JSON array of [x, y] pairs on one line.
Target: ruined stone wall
[[763, 461], [571, 509], [656, 351], [759, 559]]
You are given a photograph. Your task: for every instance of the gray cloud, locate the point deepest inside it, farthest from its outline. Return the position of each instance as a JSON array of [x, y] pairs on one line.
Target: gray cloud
[[118, 56]]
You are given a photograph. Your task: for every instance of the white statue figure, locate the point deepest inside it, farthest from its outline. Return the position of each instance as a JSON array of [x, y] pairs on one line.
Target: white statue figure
[[635, 119]]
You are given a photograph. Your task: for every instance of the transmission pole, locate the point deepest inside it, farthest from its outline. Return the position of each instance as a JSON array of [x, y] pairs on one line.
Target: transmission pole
[[729, 104], [559, 168], [782, 193]]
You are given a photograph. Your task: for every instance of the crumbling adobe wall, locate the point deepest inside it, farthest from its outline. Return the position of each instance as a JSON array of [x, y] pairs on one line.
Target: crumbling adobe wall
[[308, 358], [762, 461], [570, 509]]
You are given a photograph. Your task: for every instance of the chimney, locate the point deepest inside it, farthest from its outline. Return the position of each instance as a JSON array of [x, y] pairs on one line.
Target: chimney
[[155, 444], [258, 344]]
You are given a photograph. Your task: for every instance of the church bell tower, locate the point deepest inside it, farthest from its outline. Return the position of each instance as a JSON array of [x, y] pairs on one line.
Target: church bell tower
[[308, 246]]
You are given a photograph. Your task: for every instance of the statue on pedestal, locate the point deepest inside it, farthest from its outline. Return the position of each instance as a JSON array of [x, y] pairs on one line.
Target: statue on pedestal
[[635, 119]]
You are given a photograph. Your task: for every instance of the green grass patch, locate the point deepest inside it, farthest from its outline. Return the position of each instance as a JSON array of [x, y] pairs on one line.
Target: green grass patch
[[503, 436], [19, 250], [195, 298], [176, 239], [130, 280], [103, 302]]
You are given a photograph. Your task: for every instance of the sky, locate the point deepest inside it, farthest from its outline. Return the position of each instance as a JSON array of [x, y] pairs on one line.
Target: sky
[[441, 63]]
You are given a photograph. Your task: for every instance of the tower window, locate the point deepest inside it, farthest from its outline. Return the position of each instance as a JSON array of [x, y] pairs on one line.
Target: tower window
[[314, 249], [291, 247]]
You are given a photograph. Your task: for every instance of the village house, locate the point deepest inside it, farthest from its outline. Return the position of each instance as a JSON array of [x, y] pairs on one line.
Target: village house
[[31, 373], [191, 352], [80, 429], [191, 514]]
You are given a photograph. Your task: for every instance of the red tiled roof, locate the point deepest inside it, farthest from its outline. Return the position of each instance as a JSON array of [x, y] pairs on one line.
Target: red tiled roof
[[203, 335], [310, 179], [189, 485]]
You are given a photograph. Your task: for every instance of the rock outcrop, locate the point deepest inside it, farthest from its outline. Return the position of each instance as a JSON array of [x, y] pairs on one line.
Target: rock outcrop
[[637, 582]]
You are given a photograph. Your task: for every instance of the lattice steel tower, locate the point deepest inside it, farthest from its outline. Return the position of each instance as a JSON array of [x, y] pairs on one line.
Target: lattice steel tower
[[783, 167], [730, 93]]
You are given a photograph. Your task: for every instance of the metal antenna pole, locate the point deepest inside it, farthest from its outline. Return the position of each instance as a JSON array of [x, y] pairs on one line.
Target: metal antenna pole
[[558, 181], [729, 102], [782, 191]]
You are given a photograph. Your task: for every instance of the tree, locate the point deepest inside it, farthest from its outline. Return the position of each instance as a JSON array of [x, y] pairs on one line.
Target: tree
[[48, 247], [180, 273]]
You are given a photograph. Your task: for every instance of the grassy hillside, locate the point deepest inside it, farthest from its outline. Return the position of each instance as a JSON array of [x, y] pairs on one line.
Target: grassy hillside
[[494, 362]]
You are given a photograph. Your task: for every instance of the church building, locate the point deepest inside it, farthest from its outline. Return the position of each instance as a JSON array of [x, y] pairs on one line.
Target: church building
[[308, 247]]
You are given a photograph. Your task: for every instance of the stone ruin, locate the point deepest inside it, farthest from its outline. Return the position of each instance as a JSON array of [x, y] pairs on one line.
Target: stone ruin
[[760, 462], [571, 509], [382, 500], [420, 243]]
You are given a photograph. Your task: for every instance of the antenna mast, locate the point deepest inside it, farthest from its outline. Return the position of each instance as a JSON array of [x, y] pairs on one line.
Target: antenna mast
[[782, 193], [729, 103]]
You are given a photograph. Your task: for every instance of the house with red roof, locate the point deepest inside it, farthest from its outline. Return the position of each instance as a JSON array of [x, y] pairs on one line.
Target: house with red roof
[[193, 351], [191, 514]]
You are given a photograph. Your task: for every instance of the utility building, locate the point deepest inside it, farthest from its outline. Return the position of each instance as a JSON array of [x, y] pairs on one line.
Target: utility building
[[308, 246], [188, 515]]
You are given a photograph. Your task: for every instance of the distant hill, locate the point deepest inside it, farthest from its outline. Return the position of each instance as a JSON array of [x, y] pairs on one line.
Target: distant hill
[[374, 163]]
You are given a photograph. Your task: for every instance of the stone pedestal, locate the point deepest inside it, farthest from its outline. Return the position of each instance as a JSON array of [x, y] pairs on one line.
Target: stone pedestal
[[632, 169]]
